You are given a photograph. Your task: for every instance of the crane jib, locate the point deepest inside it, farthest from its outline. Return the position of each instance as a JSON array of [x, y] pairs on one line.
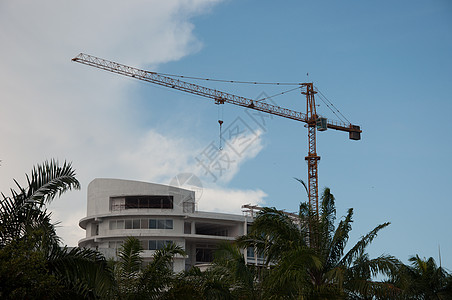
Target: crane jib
[[218, 96]]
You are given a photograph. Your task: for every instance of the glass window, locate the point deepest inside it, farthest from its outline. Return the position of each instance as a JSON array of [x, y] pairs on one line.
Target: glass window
[[204, 255], [161, 224], [250, 252], [160, 244], [128, 224], [169, 224], [167, 202], [155, 201], [143, 202], [131, 202], [112, 225], [152, 224], [187, 227], [120, 224], [152, 245], [136, 224]]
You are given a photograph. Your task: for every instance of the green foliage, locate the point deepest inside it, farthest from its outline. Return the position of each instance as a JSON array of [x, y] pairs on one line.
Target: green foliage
[[423, 279], [32, 263], [306, 254], [24, 273], [134, 281], [23, 213], [195, 284]]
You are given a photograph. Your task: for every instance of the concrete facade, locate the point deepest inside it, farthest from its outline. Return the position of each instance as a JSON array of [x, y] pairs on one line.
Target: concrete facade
[[155, 214]]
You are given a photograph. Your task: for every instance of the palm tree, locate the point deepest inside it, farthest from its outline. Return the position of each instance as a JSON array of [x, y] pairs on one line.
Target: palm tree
[[150, 282], [229, 262], [24, 213], [306, 254], [36, 266], [196, 284], [423, 279]]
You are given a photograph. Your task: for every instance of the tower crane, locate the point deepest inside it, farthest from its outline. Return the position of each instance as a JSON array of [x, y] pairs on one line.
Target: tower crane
[[313, 121]]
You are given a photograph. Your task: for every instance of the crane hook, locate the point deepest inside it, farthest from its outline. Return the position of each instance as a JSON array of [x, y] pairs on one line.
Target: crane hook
[[221, 123]]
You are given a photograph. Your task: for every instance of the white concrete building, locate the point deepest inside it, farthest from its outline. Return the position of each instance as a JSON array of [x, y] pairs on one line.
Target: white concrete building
[[156, 214]]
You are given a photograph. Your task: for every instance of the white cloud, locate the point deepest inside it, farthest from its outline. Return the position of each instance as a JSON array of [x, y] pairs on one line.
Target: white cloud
[[52, 108], [229, 200]]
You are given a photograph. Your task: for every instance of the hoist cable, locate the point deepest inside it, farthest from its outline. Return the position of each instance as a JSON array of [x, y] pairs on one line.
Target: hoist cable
[[323, 96], [231, 81], [279, 94]]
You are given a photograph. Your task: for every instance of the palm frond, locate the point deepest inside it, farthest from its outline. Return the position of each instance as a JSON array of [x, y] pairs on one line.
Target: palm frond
[[229, 259], [50, 180], [361, 245], [129, 257], [158, 274], [272, 232], [23, 210], [82, 272], [328, 210], [339, 240], [303, 183]]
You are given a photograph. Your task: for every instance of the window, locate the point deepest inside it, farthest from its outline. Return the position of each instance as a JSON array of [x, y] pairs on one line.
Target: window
[[169, 224], [204, 252], [141, 224], [136, 223], [160, 224], [250, 252], [204, 255], [134, 202], [152, 245], [120, 224], [116, 224], [158, 244], [128, 224], [187, 227], [152, 224], [131, 202]]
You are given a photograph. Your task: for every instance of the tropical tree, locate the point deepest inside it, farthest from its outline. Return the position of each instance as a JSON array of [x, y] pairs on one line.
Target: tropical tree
[[196, 284], [33, 265], [423, 279], [135, 281], [243, 278], [307, 258]]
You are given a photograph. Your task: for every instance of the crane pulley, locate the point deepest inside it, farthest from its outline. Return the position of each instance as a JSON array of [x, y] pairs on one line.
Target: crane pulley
[[311, 118]]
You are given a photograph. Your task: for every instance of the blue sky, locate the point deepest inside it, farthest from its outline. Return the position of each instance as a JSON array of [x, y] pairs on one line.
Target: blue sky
[[385, 65]]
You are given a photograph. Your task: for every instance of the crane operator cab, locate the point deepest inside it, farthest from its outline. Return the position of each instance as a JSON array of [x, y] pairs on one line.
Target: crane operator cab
[[321, 124]]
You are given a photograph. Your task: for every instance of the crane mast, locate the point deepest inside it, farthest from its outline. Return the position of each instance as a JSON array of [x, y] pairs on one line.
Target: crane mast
[[313, 121], [312, 158]]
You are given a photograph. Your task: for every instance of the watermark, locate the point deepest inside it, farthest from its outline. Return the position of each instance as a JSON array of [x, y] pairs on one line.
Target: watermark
[[187, 181], [237, 137], [214, 161]]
